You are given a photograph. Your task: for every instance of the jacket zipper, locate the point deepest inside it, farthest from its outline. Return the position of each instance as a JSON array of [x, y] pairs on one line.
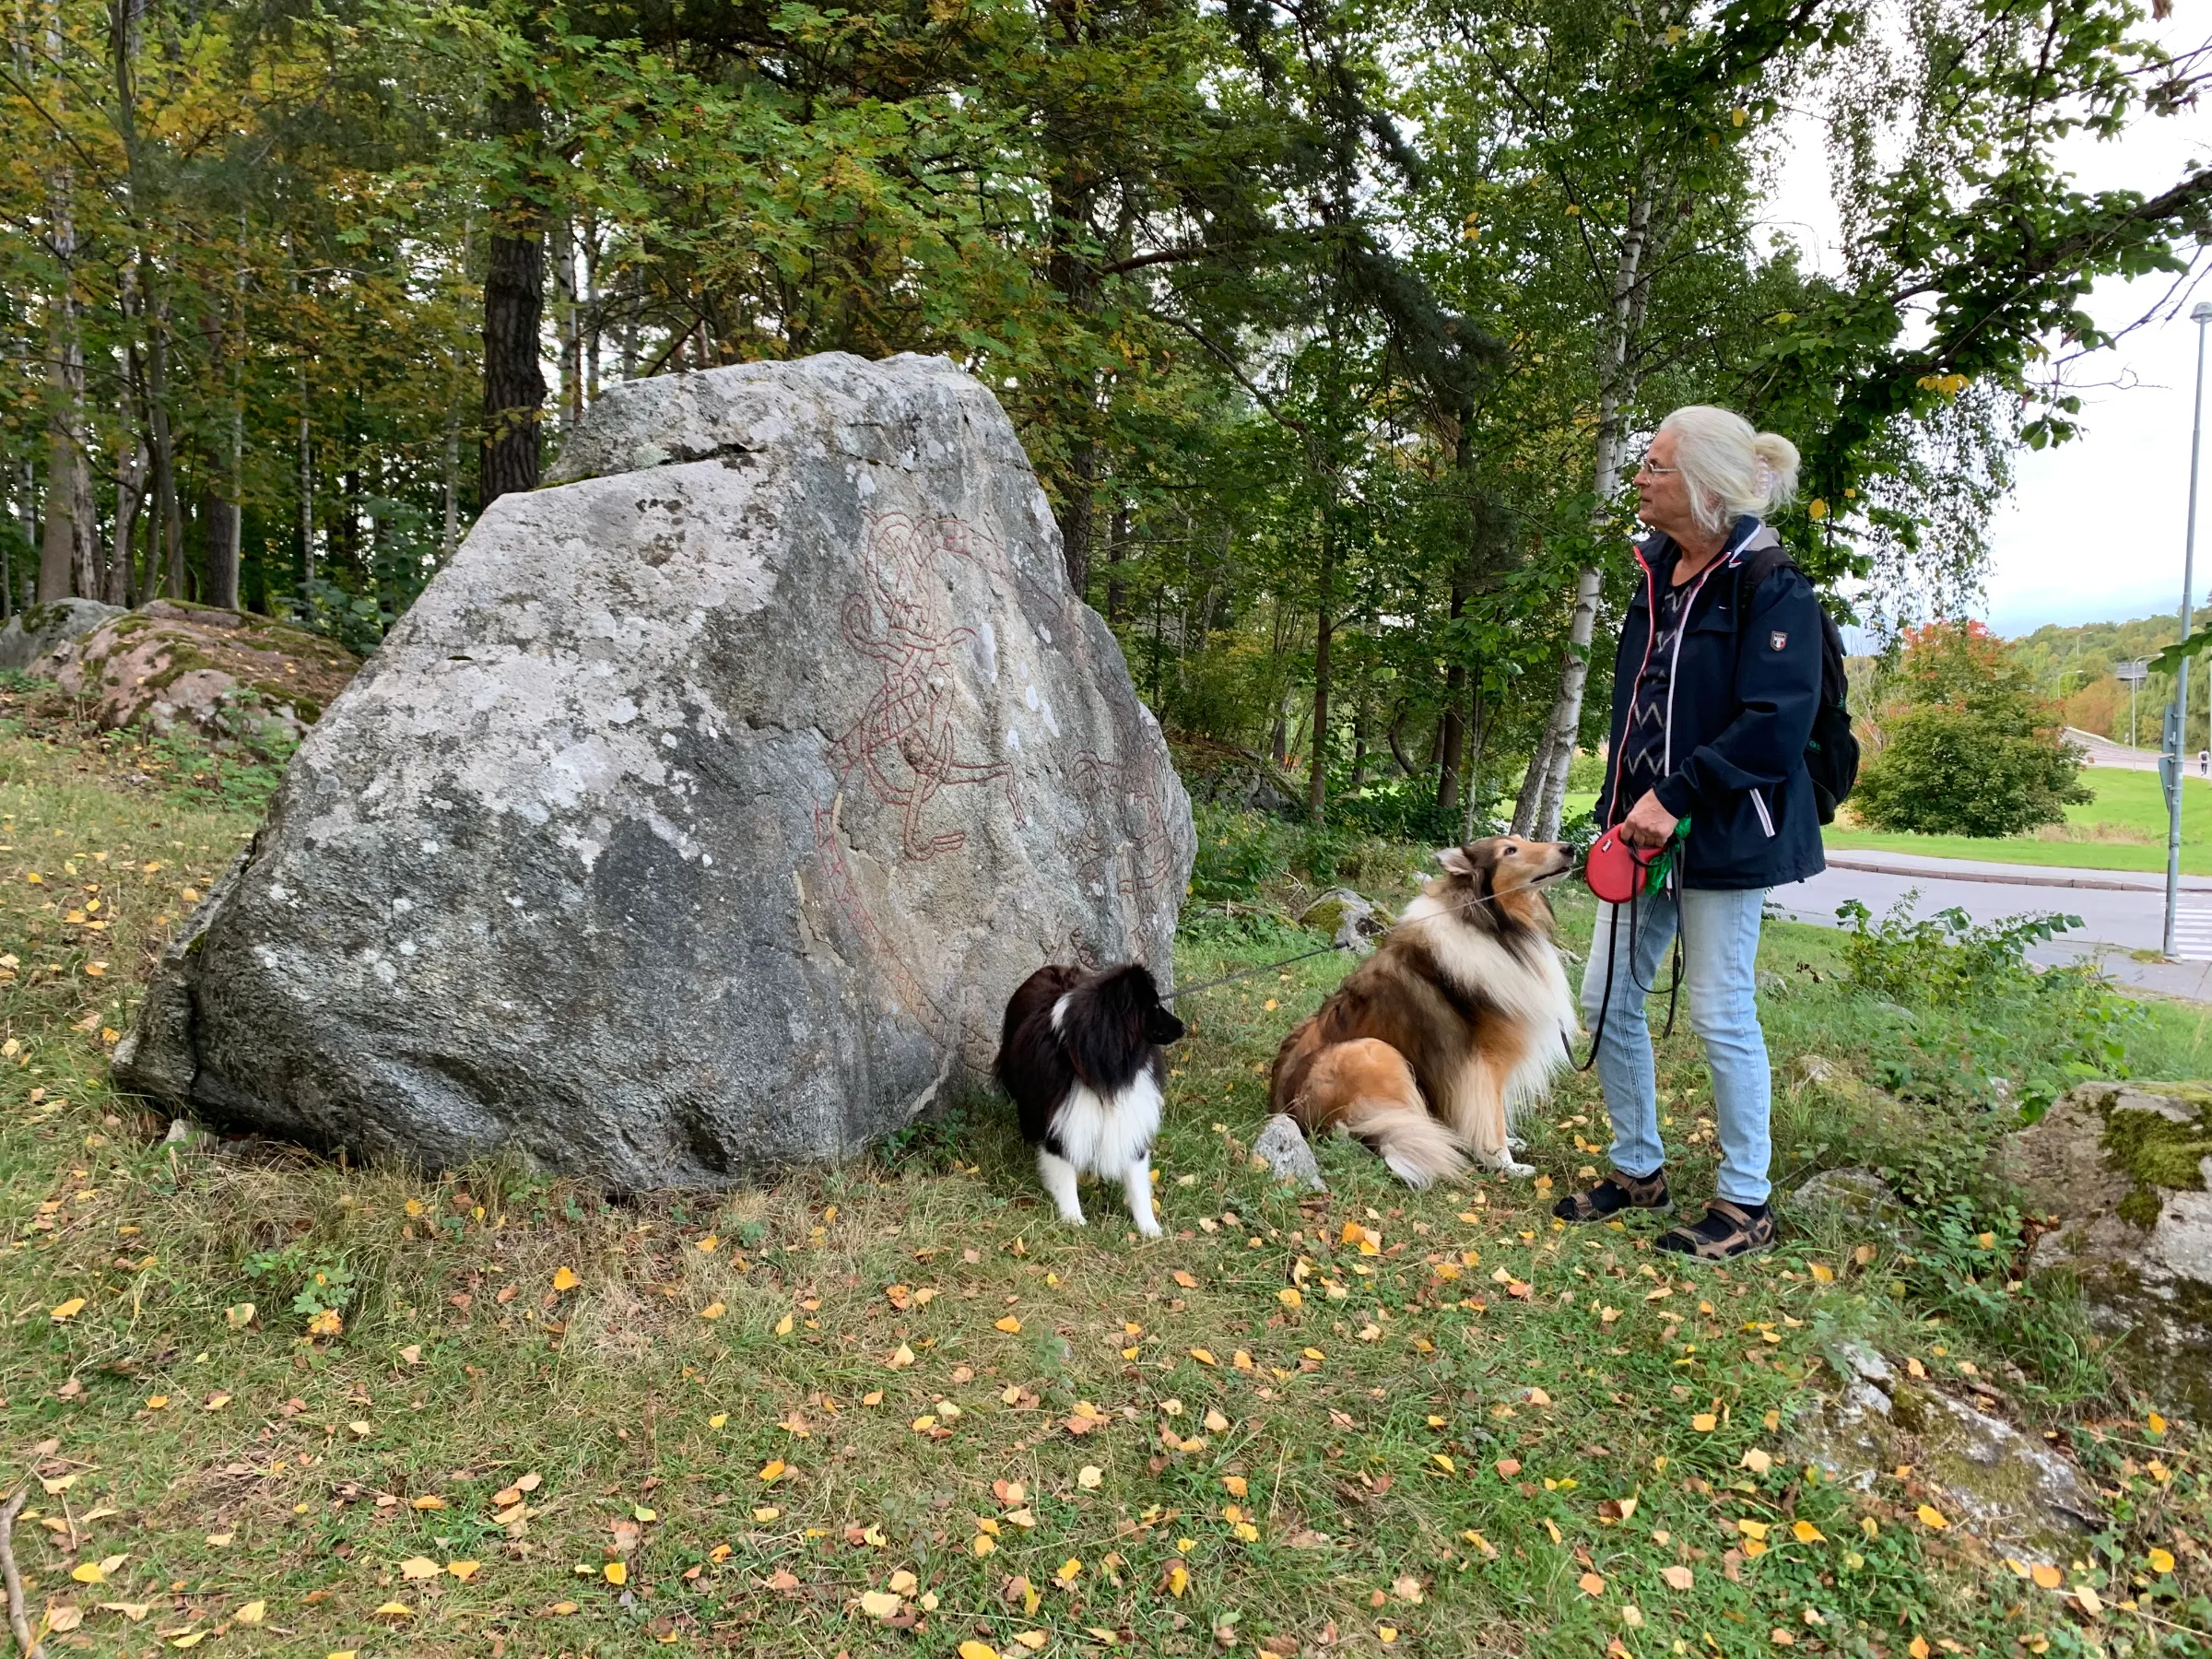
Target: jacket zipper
[[1674, 662], [1765, 822], [1666, 730]]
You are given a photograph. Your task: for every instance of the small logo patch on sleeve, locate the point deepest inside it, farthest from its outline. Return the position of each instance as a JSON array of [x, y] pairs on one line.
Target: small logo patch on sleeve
[[1778, 639]]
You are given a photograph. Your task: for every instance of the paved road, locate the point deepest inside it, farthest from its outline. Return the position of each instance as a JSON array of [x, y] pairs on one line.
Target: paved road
[[2120, 910]]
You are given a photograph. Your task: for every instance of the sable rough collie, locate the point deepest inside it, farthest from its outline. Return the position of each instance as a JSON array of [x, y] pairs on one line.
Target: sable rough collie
[[1459, 1019], [1080, 1055]]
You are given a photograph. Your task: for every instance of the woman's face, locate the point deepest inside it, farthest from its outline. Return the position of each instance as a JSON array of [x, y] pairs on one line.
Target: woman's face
[[1662, 493]]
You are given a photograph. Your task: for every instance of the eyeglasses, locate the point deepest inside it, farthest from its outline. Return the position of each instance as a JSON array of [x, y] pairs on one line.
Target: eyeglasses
[[1656, 471]]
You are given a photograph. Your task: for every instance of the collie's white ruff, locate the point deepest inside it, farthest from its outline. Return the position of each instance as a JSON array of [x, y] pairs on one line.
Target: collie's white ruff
[[1533, 994]]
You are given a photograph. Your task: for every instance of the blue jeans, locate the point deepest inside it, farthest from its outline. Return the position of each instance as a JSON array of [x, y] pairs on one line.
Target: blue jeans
[[1720, 944]]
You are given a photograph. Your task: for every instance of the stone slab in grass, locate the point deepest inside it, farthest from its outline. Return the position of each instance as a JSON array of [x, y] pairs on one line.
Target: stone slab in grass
[[702, 815]]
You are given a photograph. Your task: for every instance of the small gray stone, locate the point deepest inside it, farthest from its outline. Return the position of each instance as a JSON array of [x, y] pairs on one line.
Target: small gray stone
[[1858, 1197], [1351, 920], [1281, 1146], [1860, 1361], [699, 820]]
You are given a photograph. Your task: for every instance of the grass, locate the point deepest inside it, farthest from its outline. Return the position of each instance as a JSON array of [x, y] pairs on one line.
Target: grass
[[289, 1406], [2123, 829]]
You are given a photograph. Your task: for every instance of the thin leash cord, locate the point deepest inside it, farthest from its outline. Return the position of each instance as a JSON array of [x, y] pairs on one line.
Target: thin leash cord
[[1331, 949], [1673, 991]]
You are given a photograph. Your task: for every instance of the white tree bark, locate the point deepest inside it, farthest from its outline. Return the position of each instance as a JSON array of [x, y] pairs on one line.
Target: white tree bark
[[1536, 811]]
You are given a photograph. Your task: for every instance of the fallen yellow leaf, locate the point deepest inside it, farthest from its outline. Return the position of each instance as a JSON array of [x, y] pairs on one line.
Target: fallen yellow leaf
[[718, 1420], [419, 1567], [564, 1279], [772, 1470], [1704, 1422], [252, 1613], [2162, 1561], [784, 1325], [1931, 1516], [1805, 1532], [714, 1310], [878, 1603], [615, 1572], [393, 1609], [1678, 1578], [68, 1310], [1011, 1325], [2046, 1576], [463, 1570]]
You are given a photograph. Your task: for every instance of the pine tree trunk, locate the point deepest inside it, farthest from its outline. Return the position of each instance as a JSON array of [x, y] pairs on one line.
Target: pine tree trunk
[[1456, 685], [514, 304], [1317, 767]]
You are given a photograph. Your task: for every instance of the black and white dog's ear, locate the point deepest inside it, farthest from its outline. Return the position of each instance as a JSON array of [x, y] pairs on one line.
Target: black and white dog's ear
[[1455, 859]]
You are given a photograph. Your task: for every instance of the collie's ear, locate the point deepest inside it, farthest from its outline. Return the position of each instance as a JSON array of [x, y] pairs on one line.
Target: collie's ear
[[1455, 859]]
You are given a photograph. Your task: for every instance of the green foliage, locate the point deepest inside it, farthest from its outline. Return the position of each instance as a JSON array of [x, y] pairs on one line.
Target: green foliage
[[316, 1277], [1968, 747], [1965, 995]]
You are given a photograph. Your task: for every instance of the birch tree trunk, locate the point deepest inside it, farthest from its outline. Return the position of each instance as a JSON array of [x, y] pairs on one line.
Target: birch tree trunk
[[1536, 811]]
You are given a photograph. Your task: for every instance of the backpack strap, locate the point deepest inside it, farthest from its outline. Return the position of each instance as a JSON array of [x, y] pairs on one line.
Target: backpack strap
[[1757, 566]]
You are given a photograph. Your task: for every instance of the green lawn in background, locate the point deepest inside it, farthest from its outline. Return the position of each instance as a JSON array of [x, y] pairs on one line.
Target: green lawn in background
[[2128, 803]]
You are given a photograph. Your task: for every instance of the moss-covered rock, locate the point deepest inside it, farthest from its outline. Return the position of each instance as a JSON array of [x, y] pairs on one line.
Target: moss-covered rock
[[2008, 1487], [2121, 1173], [229, 673]]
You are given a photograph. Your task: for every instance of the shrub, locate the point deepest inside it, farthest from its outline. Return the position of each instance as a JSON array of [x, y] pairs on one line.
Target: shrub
[[1967, 748]]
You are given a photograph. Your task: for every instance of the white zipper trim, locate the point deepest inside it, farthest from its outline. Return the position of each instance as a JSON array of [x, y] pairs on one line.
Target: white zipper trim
[[1674, 662], [1759, 807]]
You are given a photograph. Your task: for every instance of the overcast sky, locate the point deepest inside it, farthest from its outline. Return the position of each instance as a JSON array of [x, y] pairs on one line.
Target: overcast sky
[[2094, 531]]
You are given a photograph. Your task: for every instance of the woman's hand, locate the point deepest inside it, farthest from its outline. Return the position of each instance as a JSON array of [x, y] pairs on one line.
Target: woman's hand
[[1648, 823]]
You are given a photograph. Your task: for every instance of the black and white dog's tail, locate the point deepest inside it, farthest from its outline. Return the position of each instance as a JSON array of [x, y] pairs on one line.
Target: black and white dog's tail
[[1079, 1053]]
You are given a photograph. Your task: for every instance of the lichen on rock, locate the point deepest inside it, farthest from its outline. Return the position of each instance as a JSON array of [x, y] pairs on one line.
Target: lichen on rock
[[2119, 1171], [702, 814]]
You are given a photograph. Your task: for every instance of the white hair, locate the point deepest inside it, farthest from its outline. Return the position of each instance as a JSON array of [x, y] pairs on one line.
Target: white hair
[[1730, 468]]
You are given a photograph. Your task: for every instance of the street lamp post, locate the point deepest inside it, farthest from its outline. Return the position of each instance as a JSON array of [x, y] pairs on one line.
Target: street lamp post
[[2131, 674], [2177, 715]]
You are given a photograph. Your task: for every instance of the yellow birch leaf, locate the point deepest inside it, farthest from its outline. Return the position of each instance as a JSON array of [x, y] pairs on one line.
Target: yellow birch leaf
[[564, 1279], [615, 1572], [1011, 1325]]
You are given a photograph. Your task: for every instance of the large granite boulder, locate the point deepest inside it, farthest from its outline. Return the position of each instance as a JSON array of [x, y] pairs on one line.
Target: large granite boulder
[[2123, 1169], [225, 674], [700, 817], [30, 634]]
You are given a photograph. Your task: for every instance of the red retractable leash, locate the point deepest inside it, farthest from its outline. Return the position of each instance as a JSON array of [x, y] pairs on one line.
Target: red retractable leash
[[1621, 875]]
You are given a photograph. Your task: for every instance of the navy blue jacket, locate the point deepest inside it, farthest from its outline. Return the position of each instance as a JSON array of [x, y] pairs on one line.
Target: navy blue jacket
[[1745, 692]]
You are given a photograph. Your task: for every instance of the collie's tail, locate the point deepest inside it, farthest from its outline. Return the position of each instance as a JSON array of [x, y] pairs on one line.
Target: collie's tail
[[1365, 1089]]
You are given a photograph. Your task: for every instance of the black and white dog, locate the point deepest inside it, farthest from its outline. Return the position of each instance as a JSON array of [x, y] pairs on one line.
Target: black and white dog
[[1080, 1055]]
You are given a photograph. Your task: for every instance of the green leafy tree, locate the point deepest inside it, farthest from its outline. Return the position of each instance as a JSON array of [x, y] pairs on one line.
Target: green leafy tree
[[1966, 747]]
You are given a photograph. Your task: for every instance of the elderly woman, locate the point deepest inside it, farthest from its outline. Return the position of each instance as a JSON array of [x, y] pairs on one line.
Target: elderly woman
[[1715, 683]]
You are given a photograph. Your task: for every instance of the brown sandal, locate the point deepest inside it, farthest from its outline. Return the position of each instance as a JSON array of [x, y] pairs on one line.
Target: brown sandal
[[1614, 1193], [1721, 1234]]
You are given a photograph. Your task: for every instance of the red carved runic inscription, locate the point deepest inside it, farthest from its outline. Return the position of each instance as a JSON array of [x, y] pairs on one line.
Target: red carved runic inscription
[[903, 746]]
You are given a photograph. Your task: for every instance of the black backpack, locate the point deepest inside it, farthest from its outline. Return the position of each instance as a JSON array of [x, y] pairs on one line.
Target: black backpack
[[1831, 753]]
